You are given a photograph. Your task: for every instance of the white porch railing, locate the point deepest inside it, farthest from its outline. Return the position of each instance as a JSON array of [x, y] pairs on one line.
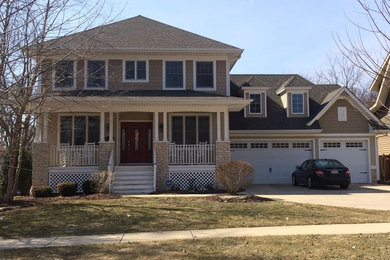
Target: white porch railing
[[74, 155], [192, 154]]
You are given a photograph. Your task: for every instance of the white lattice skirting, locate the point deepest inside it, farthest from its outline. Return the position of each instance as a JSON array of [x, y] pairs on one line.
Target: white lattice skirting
[[72, 174], [192, 178]]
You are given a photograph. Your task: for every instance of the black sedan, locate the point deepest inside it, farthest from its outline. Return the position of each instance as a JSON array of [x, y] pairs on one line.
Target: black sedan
[[322, 172]]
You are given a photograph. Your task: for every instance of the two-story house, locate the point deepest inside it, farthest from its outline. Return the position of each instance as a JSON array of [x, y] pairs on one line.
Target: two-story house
[[157, 106]]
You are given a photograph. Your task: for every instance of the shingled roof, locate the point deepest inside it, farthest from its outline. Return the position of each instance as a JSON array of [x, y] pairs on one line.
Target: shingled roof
[[277, 118], [138, 33]]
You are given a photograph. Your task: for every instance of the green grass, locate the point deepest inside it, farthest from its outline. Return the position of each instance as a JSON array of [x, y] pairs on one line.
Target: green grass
[[272, 247], [81, 217]]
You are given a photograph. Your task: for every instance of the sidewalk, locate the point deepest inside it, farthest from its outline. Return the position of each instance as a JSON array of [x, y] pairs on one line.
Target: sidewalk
[[335, 229]]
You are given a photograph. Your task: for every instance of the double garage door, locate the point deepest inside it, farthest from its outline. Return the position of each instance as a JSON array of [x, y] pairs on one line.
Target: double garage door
[[275, 160]]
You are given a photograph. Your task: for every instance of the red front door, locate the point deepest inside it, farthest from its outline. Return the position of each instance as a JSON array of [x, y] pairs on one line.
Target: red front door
[[136, 142]]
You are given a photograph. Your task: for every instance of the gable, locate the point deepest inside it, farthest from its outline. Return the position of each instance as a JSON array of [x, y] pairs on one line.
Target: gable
[[355, 121]]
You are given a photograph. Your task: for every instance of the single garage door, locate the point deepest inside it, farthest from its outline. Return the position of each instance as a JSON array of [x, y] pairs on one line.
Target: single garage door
[[273, 161], [351, 153]]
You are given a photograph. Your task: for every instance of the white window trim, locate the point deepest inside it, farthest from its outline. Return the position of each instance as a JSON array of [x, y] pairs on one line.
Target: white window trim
[[256, 90], [261, 101], [197, 115], [124, 80], [54, 78], [184, 75], [86, 74], [303, 103], [214, 88], [73, 115]]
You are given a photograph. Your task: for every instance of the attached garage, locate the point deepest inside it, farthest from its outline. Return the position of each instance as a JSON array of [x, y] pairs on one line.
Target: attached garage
[[352, 153], [273, 160]]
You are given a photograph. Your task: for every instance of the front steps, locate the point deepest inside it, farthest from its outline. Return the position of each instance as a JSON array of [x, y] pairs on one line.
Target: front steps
[[133, 179]]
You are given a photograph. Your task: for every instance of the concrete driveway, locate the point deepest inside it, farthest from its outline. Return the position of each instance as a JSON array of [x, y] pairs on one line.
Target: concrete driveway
[[356, 196]]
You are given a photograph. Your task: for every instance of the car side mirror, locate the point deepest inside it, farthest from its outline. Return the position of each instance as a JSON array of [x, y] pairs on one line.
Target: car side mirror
[[298, 167]]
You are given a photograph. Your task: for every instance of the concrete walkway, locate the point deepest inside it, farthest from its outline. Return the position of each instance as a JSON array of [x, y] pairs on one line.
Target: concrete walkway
[[336, 229]]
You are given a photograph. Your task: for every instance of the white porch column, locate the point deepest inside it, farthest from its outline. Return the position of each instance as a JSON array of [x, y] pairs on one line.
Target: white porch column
[[155, 127], [45, 124], [218, 126], [37, 137], [226, 125], [102, 127], [165, 127], [111, 131]]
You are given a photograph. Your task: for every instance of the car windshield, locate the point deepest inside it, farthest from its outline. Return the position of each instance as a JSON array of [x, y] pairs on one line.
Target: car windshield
[[328, 163]]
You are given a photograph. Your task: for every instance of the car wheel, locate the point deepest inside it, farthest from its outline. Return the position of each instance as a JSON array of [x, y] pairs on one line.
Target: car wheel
[[294, 181], [310, 183], [344, 186]]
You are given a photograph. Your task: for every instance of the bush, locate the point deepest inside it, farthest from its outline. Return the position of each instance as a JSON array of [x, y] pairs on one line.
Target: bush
[[88, 187], [40, 191], [234, 175], [67, 188], [102, 180]]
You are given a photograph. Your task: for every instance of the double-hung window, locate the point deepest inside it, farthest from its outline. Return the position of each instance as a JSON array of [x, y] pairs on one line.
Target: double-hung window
[[174, 75], [96, 74], [190, 129], [297, 103], [78, 130], [255, 106], [135, 71], [204, 75], [64, 75]]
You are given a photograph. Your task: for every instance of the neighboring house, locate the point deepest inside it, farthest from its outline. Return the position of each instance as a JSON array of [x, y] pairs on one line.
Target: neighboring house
[[152, 103], [382, 104]]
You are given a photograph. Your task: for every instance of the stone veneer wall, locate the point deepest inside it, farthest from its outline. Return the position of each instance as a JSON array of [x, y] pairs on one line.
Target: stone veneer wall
[[40, 164], [374, 176], [162, 170], [104, 155], [222, 152]]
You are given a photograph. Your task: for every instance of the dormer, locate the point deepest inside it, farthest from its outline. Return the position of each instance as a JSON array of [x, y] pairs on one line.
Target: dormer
[[258, 107], [295, 98]]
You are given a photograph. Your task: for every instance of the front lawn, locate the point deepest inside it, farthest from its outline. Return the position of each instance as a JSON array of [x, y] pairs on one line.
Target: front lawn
[[273, 247], [61, 217]]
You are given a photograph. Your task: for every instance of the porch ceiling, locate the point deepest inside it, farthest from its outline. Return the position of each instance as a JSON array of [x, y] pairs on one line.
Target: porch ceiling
[[143, 104]]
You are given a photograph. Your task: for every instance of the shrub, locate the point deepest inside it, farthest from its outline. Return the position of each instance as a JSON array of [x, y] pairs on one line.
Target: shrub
[[102, 180], [40, 191], [88, 187], [234, 175], [67, 188]]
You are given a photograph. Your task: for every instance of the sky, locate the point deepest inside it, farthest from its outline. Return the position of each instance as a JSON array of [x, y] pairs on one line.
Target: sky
[[278, 36]]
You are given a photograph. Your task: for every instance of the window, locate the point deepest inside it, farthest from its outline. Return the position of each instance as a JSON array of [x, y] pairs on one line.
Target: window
[[204, 74], [354, 144], [78, 130], [259, 145], [64, 75], [297, 103], [96, 74], [255, 106], [174, 75], [332, 145], [301, 145], [135, 71], [238, 145], [190, 129], [342, 114], [280, 145]]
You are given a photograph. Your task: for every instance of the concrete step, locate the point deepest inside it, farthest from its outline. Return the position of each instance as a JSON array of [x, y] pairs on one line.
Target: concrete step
[[131, 178], [126, 192], [132, 187], [133, 182], [132, 168], [141, 173]]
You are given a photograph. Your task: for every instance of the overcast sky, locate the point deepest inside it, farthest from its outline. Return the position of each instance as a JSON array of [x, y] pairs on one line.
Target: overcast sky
[[278, 36]]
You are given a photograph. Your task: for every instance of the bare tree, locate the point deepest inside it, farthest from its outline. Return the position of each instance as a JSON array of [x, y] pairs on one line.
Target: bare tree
[[26, 27], [342, 71]]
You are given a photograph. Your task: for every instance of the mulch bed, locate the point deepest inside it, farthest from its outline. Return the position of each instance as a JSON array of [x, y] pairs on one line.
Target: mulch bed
[[238, 199]]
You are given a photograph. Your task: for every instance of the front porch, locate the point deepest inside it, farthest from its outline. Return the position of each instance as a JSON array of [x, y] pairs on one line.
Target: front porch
[[177, 149]]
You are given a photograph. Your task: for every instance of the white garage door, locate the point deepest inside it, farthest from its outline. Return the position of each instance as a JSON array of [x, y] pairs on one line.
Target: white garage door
[[351, 153], [273, 161]]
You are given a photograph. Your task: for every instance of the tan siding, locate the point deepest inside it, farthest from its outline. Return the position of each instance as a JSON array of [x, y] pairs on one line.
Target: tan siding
[[189, 75], [305, 106], [262, 114], [356, 122], [52, 125], [221, 77], [384, 145]]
